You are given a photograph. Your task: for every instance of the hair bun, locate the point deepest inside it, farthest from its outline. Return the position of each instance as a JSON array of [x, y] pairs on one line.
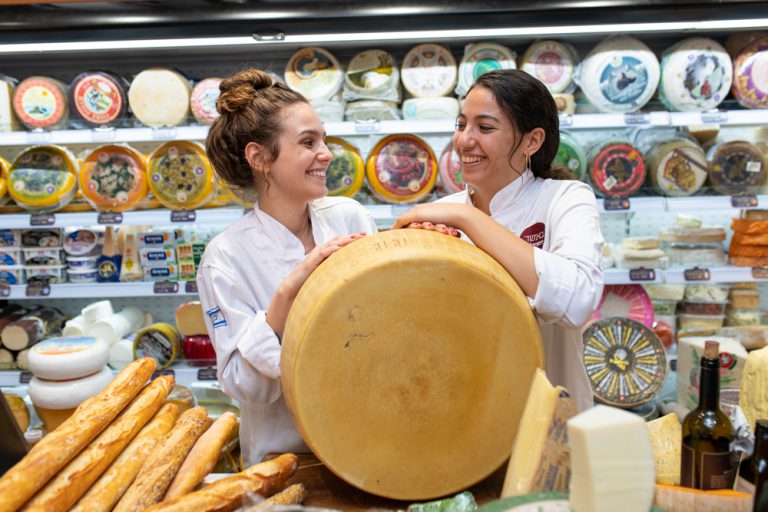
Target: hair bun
[[237, 91]]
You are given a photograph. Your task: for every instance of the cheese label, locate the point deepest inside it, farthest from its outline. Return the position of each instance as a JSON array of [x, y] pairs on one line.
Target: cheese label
[[43, 177], [681, 171], [429, 70], [114, 178], [345, 173], [315, 73], [402, 168], [40, 102], [696, 75], [98, 98], [480, 59], [571, 156], [65, 345], [623, 80], [750, 83], [618, 170], [159, 341]]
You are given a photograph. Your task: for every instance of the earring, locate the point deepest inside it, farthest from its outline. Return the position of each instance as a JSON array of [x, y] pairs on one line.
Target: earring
[[527, 162]]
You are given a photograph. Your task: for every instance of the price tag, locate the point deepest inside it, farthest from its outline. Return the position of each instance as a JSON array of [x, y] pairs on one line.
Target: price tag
[[207, 374], [103, 134], [5, 289], [566, 120], [38, 136], [183, 216], [25, 377], [38, 289], [165, 288], [110, 218], [759, 272], [673, 365], [163, 371], [714, 117], [745, 201], [42, 219], [369, 126], [642, 274], [165, 133], [190, 287], [612, 204], [696, 274], [636, 118]]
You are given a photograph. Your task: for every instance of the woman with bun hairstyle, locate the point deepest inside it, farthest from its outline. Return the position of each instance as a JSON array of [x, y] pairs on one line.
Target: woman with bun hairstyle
[[267, 145], [543, 227]]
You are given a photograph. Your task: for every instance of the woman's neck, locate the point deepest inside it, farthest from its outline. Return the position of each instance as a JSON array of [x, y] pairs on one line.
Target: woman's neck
[[483, 194], [294, 216]]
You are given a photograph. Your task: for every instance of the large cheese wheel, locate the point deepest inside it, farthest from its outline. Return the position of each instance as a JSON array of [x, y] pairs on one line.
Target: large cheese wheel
[[617, 169], [677, 167], [736, 167], [114, 178], [203, 100], [392, 389], [346, 172], [315, 73], [696, 74], [180, 175], [99, 98], [43, 178], [401, 169], [750, 69], [429, 70], [160, 97], [625, 300], [41, 102], [479, 58], [551, 62]]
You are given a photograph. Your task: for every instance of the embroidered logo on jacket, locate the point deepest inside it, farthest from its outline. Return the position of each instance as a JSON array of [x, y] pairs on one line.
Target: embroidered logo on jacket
[[217, 317], [534, 235]]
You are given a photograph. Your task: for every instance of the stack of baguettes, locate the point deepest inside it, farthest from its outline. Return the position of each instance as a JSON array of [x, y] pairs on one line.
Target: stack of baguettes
[[127, 449], [749, 243]]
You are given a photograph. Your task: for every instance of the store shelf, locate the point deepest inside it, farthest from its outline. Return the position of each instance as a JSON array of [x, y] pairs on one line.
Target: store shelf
[[158, 217], [681, 204], [182, 373], [103, 290], [724, 274]]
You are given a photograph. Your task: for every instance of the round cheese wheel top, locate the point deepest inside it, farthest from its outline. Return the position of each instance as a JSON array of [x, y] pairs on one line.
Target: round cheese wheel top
[[180, 175], [401, 169], [617, 169], [696, 74], [480, 58], [393, 385], [203, 100], [750, 69], [159, 341], [315, 73], [571, 155], [736, 167], [160, 97], [68, 358], [429, 70], [450, 171], [99, 98], [551, 62], [372, 72], [43, 178], [625, 300], [67, 394], [41, 102], [345, 174], [620, 74], [626, 362], [677, 168], [114, 178]]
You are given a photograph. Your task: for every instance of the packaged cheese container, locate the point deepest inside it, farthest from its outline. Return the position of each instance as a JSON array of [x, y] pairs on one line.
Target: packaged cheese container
[[99, 98], [480, 58], [373, 75], [159, 341], [160, 97], [345, 174], [315, 73], [551, 62], [449, 171], [113, 178], [41, 102], [677, 167], [750, 80], [401, 169], [733, 357], [617, 169], [180, 175], [43, 178], [736, 167], [429, 70], [202, 102]]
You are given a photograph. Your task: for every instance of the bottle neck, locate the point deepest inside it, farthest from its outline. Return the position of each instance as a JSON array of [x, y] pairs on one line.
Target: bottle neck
[[761, 440], [709, 386]]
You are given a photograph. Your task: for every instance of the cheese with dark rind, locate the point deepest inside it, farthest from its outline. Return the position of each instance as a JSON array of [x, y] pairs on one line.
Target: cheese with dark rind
[[736, 167], [401, 169], [346, 172], [180, 175], [202, 102], [43, 178], [551, 62], [617, 169], [381, 425], [429, 70], [677, 168], [114, 178], [315, 73], [750, 84], [99, 98], [41, 102]]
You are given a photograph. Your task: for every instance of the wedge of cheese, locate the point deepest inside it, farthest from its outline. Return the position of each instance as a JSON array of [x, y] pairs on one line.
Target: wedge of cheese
[[666, 441], [753, 398], [685, 499]]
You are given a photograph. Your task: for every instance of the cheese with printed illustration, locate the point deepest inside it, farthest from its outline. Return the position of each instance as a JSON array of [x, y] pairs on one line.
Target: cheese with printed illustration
[[479, 58], [180, 175], [696, 74], [113, 177], [429, 70], [345, 173], [401, 169], [43, 178]]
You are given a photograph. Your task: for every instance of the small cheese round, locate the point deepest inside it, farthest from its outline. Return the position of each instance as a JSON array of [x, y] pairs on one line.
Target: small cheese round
[[203, 100], [345, 174], [41, 102], [617, 169], [696, 74], [99, 98], [68, 357], [736, 167], [315, 73], [180, 175], [677, 167], [43, 178], [401, 169], [67, 394], [160, 97], [551, 62], [113, 178], [429, 70], [479, 58], [750, 69]]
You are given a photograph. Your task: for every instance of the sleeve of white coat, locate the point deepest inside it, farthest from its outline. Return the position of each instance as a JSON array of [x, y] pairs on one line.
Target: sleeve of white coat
[[570, 273], [247, 349]]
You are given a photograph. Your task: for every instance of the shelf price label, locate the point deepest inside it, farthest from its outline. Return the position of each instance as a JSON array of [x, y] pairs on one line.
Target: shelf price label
[[744, 201], [165, 133], [183, 216], [42, 219], [163, 371], [38, 289], [637, 118], [207, 374], [697, 274], [190, 287], [642, 274], [38, 136], [370, 126], [5, 289], [110, 218], [165, 288], [714, 117], [103, 134], [25, 377], [759, 272], [614, 204]]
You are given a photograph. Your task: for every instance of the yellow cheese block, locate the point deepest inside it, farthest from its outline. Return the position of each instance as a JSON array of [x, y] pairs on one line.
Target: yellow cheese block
[[407, 359], [190, 319], [684, 499], [666, 441], [753, 397]]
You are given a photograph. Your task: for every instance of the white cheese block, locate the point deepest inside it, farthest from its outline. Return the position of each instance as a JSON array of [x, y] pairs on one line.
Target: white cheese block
[[611, 460], [68, 357], [666, 440], [160, 97], [8, 121], [430, 108], [67, 394], [117, 325], [97, 311], [665, 291], [638, 243], [480, 58], [121, 353], [754, 387], [429, 70], [551, 62], [76, 326], [733, 358]]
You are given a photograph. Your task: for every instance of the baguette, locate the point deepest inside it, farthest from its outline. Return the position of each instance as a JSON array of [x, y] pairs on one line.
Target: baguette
[[108, 489], [158, 469], [291, 495], [203, 456], [229, 493], [56, 449], [71, 483]]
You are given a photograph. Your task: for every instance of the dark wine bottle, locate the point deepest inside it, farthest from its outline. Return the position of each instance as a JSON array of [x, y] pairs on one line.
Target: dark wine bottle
[[707, 461], [760, 466]]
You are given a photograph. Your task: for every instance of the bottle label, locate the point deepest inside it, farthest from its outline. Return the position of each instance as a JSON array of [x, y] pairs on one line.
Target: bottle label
[[706, 470]]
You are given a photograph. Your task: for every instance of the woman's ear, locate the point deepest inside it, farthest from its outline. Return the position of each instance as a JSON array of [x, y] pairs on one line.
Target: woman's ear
[[255, 156], [535, 138]]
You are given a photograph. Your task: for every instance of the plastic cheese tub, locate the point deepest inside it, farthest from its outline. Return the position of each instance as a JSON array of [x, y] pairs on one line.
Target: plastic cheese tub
[[345, 174], [401, 169], [43, 178], [113, 178], [180, 175]]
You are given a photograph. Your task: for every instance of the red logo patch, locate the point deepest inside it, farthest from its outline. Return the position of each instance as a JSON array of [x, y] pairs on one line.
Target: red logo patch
[[534, 235]]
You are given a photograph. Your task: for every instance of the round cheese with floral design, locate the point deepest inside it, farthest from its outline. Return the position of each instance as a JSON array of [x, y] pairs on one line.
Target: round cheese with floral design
[[345, 174], [43, 178], [617, 170], [696, 74], [114, 178], [401, 169], [750, 81], [551, 62], [99, 98], [180, 175], [41, 102], [202, 102]]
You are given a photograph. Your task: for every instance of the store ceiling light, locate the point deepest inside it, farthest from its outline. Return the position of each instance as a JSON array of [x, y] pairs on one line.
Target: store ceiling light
[[280, 39]]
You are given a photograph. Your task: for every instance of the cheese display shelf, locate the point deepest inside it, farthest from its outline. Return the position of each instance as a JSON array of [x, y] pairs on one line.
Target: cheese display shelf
[[725, 274], [105, 290], [182, 372], [658, 204]]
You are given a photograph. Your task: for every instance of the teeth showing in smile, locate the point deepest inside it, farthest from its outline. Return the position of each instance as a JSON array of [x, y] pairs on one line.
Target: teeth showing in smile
[[319, 174], [467, 159]]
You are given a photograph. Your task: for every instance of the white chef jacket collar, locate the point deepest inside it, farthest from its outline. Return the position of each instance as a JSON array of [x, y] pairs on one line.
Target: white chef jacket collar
[[281, 234], [507, 196]]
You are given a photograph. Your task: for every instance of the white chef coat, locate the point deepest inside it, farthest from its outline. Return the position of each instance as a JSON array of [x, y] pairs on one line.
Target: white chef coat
[[559, 218], [237, 278]]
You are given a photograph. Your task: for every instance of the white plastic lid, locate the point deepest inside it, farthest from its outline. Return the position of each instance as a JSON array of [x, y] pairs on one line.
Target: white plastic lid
[[67, 358], [67, 394]]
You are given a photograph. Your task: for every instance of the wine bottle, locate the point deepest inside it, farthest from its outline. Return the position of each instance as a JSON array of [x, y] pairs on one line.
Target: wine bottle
[[760, 466], [108, 264], [707, 432]]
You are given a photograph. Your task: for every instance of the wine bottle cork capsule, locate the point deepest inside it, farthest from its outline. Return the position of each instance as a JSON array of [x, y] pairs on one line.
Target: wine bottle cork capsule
[[711, 349]]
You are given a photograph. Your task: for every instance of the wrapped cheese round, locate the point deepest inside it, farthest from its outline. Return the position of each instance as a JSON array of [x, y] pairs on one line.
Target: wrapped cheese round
[[401, 169], [480, 58], [551, 62], [750, 70], [430, 108], [68, 358], [180, 175], [617, 169], [385, 379], [736, 167], [696, 74], [449, 171], [366, 110], [620, 74], [429, 70], [160, 341], [41, 102], [346, 172], [677, 167], [99, 98], [571, 155], [5, 174], [372, 74], [202, 102], [315, 73], [160, 97], [113, 178], [43, 178]]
